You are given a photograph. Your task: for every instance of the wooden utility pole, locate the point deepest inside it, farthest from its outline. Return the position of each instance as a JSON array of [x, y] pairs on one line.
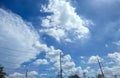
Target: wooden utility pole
[[26, 73], [116, 76], [100, 68], [84, 74], [60, 65]]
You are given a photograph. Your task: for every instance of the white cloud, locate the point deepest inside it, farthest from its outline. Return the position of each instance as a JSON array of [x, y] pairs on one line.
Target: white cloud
[[110, 67], [20, 43], [40, 61], [67, 58], [117, 43], [64, 24], [30, 74], [67, 62], [18, 40], [16, 75], [69, 67], [43, 75], [94, 59], [115, 57], [111, 71], [57, 33], [91, 72], [53, 54], [82, 57]]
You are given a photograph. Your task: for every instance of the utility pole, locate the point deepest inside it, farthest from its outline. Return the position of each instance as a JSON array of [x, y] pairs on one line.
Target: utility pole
[[100, 68], [26, 73], [84, 74], [60, 66], [115, 76], [58, 76]]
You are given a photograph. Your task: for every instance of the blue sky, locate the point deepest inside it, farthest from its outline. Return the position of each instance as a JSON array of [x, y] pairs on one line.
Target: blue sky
[[32, 33]]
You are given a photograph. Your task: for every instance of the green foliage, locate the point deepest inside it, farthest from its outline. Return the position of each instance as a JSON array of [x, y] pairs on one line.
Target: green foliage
[[2, 73], [74, 76]]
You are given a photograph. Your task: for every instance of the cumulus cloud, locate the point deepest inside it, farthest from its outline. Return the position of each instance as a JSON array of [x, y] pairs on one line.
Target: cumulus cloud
[[43, 75], [53, 54], [115, 57], [69, 67], [94, 59], [40, 61], [68, 64], [16, 75], [19, 41], [30, 74], [110, 67], [64, 24], [112, 70]]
